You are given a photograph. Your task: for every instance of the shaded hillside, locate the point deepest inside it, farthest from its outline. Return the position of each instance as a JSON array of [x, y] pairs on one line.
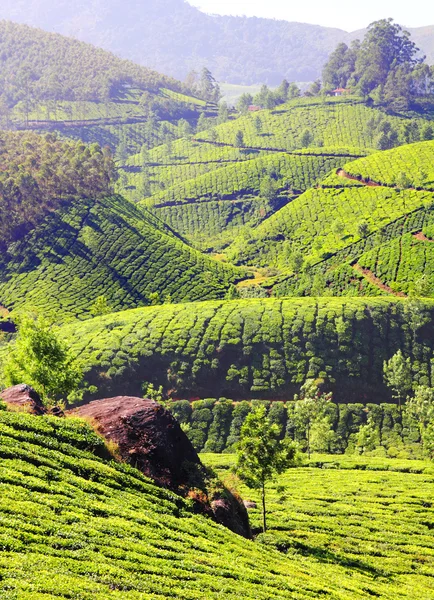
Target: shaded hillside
[[254, 348], [43, 66], [38, 174], [174, 37], [106, 247]]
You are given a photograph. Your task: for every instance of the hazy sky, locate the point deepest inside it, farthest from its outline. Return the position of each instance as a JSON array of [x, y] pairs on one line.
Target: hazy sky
[[331, 13]]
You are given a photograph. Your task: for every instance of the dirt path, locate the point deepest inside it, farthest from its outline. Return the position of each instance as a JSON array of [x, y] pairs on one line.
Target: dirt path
[[369, 275], [422, 237], [367, 182]]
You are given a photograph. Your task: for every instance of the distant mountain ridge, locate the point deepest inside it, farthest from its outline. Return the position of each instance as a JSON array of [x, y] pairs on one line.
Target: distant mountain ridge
[[175, 37]]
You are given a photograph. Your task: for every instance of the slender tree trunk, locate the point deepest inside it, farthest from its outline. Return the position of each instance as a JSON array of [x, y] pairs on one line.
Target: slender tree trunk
[[264, 514], [308, 441]]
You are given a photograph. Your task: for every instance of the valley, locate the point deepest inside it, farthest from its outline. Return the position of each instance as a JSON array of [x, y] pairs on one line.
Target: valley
[[216, 320]]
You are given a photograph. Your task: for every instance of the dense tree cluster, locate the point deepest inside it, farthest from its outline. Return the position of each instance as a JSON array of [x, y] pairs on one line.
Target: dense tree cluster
[[39, 172], [386, 65]]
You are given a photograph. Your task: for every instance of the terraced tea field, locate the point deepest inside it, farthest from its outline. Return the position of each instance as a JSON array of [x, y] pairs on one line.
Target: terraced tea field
[[75, 525], [257, 348], [106, 248], [372, 517]]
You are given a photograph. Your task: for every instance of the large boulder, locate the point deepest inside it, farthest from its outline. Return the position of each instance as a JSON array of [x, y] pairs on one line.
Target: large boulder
[[23, 397], [147, 436]]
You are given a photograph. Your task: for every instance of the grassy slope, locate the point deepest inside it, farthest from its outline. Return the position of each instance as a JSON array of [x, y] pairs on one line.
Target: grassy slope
[[210, 200], [253, 348], [75, 525], [106, 247], [369, 515]]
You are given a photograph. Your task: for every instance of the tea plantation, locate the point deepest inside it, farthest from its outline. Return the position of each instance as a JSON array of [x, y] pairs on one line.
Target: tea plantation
[[257, 348], [372, 517], [107, 248], [74, 524]]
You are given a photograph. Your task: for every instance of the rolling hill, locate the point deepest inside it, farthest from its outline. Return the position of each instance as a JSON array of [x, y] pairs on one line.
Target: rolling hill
[[348, 213], [256, 348], [210, 188], [391, 195], [68, 240], [174, 37]]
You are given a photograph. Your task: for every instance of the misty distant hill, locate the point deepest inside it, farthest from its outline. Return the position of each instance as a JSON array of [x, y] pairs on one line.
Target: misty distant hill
[[174, 37]]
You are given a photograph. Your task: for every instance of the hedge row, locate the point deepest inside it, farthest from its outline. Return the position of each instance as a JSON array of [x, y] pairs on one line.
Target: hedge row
[[107, 247], [214, 425], [258, 348]]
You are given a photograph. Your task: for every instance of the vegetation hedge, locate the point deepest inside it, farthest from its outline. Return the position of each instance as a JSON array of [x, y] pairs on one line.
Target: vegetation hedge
[[106, 247], [263, 348], [397, 433]]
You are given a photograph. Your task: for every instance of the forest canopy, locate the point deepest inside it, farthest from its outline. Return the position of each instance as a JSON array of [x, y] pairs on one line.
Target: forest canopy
[[45, 66], [387, 65]]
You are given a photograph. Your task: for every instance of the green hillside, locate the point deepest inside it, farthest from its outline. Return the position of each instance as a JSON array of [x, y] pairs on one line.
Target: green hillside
[[323, 221], [204, 200], [254, 348], [407, 166], [211, 188], [75, 524], [330, 122], [39, 174], [390, 255], [56, 83], [105, 247], [47, 66], [367, 514]]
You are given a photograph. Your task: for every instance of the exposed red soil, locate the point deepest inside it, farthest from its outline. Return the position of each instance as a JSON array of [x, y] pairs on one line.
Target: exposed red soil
[[23, 397], [367, 182], [422, 237], [369, 275]]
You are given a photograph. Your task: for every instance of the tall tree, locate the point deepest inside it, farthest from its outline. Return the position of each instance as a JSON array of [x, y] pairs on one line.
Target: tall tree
[[397, 376], [41, 359], [261, 454]]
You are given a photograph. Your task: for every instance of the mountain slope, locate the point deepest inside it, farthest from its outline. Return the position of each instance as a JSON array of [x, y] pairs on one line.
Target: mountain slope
[[338, 216], [174, 37], [108, 247]]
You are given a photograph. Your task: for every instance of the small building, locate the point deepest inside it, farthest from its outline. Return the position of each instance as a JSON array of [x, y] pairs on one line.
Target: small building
[[254, 108], [340, 92]]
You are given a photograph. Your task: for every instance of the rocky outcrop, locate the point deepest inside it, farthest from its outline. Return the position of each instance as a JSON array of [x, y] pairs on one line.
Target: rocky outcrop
[[148, 437], [23, 397]]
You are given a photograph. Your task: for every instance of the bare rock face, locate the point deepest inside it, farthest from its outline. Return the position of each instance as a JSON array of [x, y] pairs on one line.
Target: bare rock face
[[23, 397], [231, 512], [149, 438], [147, 435]]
